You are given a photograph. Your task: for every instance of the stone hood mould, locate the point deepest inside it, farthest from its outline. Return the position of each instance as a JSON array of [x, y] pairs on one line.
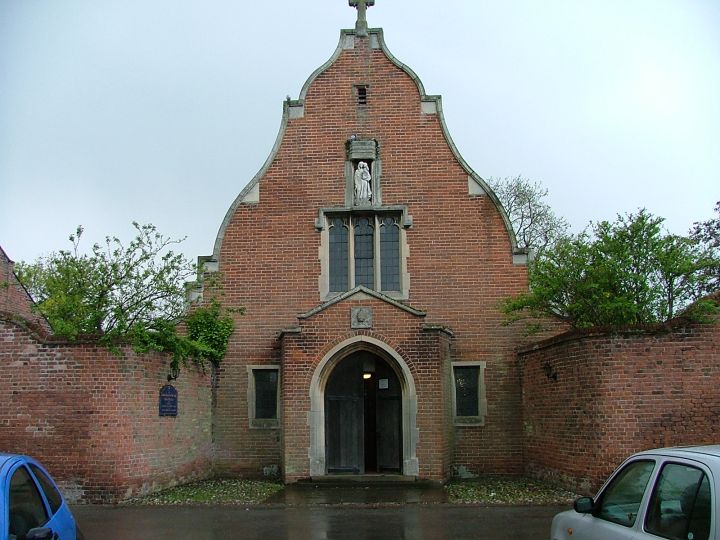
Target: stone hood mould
[[360, 293]]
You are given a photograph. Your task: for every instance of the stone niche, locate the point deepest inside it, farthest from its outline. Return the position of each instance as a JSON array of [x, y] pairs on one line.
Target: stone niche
[[367, 151]]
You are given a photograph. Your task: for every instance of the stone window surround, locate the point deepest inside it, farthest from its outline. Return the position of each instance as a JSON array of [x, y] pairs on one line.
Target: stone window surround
[[321, 224], [482, 397], [262, 423]]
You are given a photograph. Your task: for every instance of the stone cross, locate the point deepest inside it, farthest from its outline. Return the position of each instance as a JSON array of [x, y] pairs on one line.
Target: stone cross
[[361, 25]]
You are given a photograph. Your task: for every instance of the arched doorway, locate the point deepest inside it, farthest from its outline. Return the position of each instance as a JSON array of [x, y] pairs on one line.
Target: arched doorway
[[363, 416]]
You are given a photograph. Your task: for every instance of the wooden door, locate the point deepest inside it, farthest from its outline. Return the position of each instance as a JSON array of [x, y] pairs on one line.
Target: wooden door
[[388, 419], [344, 419], [363, 417]]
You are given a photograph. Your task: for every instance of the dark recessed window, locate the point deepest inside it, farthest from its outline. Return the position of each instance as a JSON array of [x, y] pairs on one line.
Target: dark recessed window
[[266, 388], [467, 391], [362, 95], [469, 401]]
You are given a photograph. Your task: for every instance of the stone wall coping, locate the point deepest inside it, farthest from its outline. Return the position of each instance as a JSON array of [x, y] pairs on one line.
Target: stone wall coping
[[598, 332], [289, 331], [438, 328], [43, 337], [35, 329]]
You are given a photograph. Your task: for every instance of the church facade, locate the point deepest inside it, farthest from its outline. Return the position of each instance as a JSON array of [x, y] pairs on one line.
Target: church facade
[[370, 260]]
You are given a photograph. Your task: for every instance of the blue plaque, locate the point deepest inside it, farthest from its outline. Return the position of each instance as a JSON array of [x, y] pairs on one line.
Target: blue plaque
[[168, 400]]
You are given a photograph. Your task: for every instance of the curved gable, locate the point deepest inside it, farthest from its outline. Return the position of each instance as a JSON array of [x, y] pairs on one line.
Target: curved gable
[[430, 105]]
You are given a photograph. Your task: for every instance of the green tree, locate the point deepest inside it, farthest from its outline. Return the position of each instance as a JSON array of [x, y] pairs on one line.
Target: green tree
[[707, 234], [132, 293], [113, 288], [535, 224], [211, 327], [627, 272]]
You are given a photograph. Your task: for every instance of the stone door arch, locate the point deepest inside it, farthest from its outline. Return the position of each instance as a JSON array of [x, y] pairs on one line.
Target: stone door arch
[[317, 453]]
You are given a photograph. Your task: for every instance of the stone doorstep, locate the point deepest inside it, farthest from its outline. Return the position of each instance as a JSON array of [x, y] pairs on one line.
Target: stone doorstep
[[363, 490], [354, 479]]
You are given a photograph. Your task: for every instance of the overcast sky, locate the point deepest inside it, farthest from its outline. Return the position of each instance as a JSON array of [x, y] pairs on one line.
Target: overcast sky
[[161, 111]]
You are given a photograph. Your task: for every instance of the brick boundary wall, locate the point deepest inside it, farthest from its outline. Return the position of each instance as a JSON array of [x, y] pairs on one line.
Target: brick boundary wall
[[91, 416], [590, 399]]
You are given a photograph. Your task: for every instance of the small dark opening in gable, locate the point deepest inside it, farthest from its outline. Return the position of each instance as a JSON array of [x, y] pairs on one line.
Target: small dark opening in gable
[[362, 95]]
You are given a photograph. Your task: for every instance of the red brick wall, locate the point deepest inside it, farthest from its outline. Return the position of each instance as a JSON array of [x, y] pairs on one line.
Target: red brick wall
[[615, 395], [460, 260], [14, 299], [92, 416]]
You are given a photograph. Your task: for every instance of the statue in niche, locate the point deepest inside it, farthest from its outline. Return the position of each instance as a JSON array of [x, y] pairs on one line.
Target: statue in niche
[[363, 190]]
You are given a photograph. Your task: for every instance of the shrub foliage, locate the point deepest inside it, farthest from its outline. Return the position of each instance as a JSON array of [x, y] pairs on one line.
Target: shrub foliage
[[133, 293], [621, 273]]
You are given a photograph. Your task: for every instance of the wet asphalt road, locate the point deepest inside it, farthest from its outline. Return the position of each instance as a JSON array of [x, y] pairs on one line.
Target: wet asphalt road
[[408, 521]]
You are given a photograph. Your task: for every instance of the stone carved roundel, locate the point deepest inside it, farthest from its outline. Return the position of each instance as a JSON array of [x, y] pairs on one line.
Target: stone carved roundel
[[361, 317]]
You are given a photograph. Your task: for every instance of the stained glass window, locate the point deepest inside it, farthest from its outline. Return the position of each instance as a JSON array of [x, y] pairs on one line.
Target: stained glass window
[[390, 255], [338, 255], [356, 255], [364, 253]]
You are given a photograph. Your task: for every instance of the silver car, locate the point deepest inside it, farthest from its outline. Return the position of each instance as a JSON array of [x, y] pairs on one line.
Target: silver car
[[666, 493]]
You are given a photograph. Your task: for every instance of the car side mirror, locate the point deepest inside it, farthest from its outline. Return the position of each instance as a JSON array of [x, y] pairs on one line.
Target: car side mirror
[[40, 533], [584, 505]]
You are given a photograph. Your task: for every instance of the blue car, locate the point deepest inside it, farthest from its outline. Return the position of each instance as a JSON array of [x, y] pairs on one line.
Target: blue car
[[31, 506]]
